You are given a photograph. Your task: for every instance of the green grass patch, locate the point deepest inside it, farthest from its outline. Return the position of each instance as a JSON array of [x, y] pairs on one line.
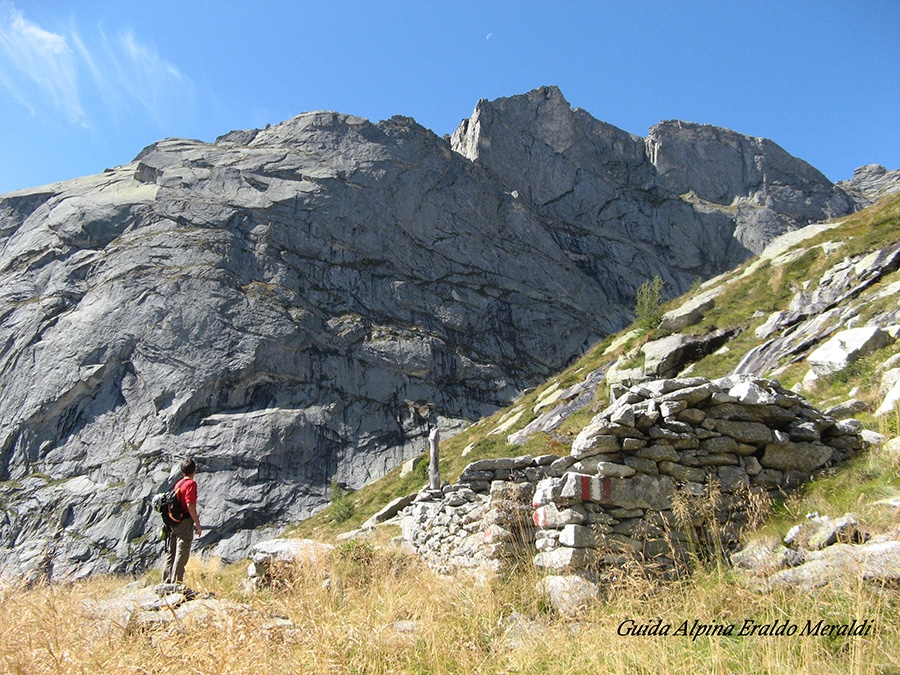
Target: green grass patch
[[855, 487], [866, 230]]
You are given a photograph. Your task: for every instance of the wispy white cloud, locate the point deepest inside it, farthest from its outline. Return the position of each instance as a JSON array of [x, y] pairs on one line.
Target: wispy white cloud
[[87, 79], [37, 66], [148, 78]]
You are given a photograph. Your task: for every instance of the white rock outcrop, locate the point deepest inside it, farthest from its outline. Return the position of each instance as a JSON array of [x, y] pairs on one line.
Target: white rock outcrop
[[846, 347]]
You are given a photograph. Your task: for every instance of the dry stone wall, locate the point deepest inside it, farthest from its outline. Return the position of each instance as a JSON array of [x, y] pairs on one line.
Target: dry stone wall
[[483, 520], [670, 466]]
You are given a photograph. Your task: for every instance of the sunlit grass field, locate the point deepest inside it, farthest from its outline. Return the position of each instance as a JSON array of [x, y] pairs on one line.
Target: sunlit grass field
[[369, 607]]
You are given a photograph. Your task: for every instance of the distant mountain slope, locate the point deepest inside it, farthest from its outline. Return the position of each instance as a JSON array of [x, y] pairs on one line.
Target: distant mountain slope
[[300, 304], [818, 310]]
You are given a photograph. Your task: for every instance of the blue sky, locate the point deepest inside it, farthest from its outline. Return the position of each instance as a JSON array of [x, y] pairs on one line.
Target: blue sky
[[87, 85]]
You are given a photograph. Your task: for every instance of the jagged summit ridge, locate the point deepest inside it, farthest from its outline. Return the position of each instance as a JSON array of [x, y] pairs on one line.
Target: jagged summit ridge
[[583, 170], [870, 183], [300, 304]]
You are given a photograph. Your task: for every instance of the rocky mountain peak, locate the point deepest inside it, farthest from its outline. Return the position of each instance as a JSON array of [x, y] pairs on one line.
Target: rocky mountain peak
[[770, 190], [683, 154], [870, 183], [536, 144], [543, 112], [302, 304]]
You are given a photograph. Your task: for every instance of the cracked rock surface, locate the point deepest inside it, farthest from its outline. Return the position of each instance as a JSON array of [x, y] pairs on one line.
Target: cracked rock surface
[[300, 304]]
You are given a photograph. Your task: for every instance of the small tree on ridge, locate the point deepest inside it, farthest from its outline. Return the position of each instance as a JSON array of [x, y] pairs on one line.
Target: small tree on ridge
[[647, 311]]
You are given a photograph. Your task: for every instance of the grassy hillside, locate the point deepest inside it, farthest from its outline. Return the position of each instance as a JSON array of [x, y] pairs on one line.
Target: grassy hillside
[[369, 608]]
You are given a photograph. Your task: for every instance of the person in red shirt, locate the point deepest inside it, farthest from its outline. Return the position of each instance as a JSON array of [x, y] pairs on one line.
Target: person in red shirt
[[181, 534]]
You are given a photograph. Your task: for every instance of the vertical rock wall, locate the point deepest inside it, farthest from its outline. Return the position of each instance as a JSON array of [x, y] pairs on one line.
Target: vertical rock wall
[[300, 304]]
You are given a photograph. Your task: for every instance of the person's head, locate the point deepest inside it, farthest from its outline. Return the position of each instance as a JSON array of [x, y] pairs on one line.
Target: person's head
[[188, 467]]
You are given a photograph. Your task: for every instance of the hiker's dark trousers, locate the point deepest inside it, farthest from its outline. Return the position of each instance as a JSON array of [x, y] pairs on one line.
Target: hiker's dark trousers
[[178, 550]]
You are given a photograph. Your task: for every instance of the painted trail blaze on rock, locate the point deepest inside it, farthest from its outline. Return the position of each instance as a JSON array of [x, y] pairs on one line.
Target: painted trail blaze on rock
[[551, 516], [606, 489], [585, 488], [742, 434]]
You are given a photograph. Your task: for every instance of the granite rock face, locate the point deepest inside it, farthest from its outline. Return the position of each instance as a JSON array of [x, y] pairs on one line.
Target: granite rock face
[[729, 194], [769, 191], [870, 183], [300, 304]]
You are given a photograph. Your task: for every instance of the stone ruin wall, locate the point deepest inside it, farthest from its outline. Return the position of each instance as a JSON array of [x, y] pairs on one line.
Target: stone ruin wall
[[670, 467]]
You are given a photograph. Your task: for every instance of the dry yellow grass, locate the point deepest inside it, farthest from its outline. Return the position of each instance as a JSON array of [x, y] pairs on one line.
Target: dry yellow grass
[[379, 611]]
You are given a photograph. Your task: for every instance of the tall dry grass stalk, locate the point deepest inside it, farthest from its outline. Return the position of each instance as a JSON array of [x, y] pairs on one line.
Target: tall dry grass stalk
[[380, 611]]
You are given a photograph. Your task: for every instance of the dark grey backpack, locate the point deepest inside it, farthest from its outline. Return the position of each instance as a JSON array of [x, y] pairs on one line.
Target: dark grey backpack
[[169, 507]]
